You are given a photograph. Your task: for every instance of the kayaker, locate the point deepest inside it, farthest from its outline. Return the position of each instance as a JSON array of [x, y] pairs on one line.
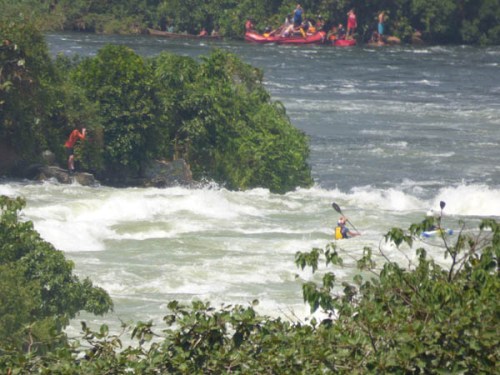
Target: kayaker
[[341, 231]]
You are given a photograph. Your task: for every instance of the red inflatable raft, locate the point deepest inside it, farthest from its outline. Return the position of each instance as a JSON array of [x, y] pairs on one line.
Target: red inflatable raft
[[316, 38], [343, 42]]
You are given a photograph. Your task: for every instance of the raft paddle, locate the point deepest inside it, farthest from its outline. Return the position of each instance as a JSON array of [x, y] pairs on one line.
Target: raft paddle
[[337, 208]]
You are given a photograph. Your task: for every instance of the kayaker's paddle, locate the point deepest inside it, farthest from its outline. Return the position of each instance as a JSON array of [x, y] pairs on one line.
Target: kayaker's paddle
[[337, 208], [442, 204]]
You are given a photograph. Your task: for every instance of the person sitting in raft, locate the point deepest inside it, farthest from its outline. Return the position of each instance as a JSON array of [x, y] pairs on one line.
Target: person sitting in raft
[[267, 31], [341, 231], [376, 39], [304, 28], [288, 30], [311, 27], [203, 32], [333, 33], [340, 32], [320, 23]]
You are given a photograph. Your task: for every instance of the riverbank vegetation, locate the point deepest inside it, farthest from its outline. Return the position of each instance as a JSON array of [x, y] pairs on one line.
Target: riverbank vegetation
[[214, 113], [39, 293], [423, 317], [443, 22]]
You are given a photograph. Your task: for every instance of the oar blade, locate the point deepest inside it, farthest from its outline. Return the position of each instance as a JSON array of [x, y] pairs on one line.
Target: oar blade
[[442, 204], [336, 207]]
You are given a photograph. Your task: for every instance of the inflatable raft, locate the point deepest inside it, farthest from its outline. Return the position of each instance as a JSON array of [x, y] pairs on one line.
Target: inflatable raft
[[316, 38], [344, 42]]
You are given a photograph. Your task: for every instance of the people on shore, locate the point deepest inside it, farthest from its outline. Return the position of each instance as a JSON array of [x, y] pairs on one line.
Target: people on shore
[[376, 40], [381, 24], [74, 136], [342, 232], [352, 24], [215, 32], [249, 25]]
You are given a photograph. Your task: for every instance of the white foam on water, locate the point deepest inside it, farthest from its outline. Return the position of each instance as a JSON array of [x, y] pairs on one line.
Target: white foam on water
[[470, 200]]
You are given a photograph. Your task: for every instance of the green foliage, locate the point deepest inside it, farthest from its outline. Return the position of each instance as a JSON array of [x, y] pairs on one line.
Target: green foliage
[[26, 73], [38, 105], [215, 113], [121, 83], [38, 291], [237, 136], [424, 318], [445, 21]]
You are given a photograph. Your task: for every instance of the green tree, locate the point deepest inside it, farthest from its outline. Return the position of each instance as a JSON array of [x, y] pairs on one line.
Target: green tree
[[121, 83], [231, 131], [39, 106], [26, 73], [440, 20], [38, 290], [425, 318]]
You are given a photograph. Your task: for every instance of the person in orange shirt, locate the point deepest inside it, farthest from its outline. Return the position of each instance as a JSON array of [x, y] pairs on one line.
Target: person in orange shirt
[[70, 147]]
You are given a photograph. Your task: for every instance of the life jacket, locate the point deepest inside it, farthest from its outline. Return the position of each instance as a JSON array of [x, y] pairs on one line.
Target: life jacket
[[338, 233]]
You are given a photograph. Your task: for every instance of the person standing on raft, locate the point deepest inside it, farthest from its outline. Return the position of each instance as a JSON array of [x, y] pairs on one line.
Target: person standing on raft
[[352, 24], [70, 147]]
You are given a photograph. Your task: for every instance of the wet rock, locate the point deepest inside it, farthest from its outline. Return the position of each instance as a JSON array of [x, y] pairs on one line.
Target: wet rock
[[162, 174], [63, 176]]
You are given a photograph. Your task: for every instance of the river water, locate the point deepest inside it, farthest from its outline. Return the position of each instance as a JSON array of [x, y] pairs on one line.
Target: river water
[[393, 131]]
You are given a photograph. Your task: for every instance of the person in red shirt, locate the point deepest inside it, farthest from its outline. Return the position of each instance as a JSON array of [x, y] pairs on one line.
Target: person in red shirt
[[70, 147], [352, 23], [249, 25]]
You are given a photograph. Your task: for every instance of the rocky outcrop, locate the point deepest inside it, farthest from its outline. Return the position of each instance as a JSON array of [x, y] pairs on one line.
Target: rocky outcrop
[[159, 173], [62, 176], [162, 174]]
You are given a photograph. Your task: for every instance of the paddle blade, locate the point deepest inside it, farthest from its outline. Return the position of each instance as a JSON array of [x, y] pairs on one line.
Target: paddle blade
[[336, 207], [442, 204]]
